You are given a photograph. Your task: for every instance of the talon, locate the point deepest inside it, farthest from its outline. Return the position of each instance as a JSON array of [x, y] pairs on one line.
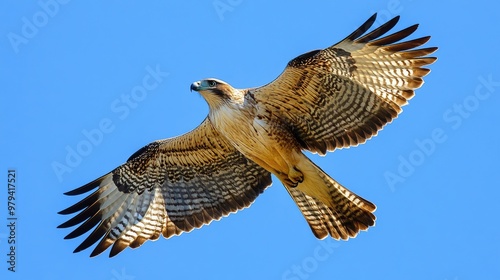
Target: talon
[[295, 176], [290, 183]]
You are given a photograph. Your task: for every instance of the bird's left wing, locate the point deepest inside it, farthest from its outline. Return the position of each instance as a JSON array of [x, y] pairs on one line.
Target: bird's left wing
[[343, 95], [168, 187]]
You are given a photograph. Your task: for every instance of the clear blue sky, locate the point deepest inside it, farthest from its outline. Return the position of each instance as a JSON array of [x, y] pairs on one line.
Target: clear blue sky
[[67, 69]]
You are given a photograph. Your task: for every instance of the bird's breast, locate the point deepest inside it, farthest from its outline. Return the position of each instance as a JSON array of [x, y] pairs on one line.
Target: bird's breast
[[248, 132], [258, 137]]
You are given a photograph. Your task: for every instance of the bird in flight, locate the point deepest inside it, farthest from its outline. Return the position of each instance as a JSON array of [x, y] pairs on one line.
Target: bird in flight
[[324, 100]]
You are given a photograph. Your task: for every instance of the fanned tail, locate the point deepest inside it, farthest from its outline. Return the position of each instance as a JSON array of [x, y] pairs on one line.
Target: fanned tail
[[330, 208]]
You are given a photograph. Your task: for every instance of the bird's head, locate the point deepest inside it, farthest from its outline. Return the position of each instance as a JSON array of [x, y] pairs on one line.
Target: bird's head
[[217, 92]]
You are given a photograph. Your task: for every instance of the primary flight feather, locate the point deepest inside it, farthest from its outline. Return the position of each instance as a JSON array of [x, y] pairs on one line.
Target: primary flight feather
[[325, 99]]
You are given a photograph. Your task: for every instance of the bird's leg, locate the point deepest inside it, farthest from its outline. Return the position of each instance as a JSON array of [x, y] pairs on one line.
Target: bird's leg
[[291, 174], [292, 178], [295, 175]]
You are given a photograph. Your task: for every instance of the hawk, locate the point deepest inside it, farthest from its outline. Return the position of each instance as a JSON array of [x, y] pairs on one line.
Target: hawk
[[324, 100]]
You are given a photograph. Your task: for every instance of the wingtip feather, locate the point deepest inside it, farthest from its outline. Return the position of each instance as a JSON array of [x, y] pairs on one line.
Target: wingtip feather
[[87, 187], [362, 29], [395, 37], [381, 30]]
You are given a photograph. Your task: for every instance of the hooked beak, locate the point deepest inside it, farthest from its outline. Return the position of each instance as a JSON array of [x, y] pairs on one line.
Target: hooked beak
[[196, 86]]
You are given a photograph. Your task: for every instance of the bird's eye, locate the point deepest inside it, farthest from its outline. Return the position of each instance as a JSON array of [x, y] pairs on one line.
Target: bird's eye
[[211, 83]]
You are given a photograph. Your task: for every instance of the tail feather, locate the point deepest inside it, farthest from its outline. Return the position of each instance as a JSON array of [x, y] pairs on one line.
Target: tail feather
[[328, 207]]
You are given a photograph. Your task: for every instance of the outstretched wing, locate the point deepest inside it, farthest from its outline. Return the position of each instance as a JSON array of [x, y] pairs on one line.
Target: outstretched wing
[[343, 95], [168, 187]]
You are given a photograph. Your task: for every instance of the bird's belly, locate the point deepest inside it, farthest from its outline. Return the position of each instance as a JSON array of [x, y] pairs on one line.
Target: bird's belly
[[259, 141]]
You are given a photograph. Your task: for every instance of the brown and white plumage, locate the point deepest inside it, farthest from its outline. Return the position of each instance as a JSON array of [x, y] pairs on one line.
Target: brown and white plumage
[[166, 188], [325, 99], [354, 87]]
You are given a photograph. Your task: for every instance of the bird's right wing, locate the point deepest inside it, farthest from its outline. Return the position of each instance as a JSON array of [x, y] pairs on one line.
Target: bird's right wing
[[167, 187], [343, 95]]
